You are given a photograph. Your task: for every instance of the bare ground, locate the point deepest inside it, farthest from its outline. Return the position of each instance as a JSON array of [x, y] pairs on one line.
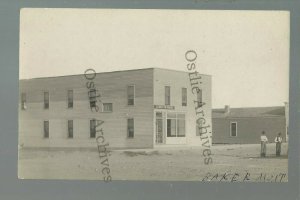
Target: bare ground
[[230, 163]]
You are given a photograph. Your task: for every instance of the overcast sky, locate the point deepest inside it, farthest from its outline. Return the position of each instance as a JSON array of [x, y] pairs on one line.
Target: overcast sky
[[246, 52]]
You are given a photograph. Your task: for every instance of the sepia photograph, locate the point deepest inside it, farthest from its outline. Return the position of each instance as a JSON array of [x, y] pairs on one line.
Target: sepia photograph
[[154, 95]]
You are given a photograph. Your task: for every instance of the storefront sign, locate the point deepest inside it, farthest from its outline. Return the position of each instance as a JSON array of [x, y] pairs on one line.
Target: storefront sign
[[164, 107]]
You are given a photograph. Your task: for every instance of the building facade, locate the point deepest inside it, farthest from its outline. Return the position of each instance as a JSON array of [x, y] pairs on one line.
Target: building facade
[[142, 108], [245, 125]]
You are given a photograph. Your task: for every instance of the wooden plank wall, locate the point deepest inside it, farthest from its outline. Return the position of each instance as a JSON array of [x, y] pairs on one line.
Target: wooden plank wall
[[113, 89], [248, 129]]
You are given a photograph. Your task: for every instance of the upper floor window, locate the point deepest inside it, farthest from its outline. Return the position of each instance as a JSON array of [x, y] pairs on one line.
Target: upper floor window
[[23, 101], [233, 129], [70, 98], [184, 96], [93, 103], [167, 95], [199, 97], [107, 107], [46, 100], [92, 98], [130, 94]]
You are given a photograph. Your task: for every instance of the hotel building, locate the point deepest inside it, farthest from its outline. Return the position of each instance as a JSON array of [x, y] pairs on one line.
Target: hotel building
[[143, 108]]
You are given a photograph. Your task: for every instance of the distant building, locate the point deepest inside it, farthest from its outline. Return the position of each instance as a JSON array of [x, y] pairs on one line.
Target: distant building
[[244, 125], [286, 106], [141, 108]]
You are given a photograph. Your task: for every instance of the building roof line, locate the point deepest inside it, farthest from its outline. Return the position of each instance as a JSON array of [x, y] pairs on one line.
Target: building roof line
[[249, 112], [237, 117], [128, 70], [219, 109]]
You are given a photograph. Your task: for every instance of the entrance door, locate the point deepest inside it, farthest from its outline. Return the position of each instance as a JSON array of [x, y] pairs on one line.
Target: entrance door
[[159, 128]]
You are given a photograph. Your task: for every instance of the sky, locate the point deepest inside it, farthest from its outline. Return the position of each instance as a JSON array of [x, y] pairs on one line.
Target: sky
[[246, 52]]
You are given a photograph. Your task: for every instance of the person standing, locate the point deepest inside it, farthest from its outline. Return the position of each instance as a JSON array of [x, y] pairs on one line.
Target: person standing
[[278, 141], [263, 141]]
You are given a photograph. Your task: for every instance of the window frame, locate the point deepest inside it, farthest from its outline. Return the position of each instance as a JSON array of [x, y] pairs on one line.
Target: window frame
[[197, 128], [109, 110], [93, 135], [168, 100], [171, 119], [128, 136], [23, 100], [128, 86], [176, 124], [70, 120], [48, 100], [184, 97], [92, 93], [68, 99], [236, 129], [199, 102], [46, 134]]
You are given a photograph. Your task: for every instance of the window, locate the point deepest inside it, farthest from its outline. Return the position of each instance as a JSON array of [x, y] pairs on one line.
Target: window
[[92, 128], [46, 129], [46, 100], [171, 127], [130, 95], [199, 97], [130, 128], [159, 128], [159, 115], [167, 95], [107, 107], [199, 128], [175, 125], [233, 129], [93, 104], [70, 128], [180, 125], [23, 101], [184, 96], [70, 98], [92, 98]]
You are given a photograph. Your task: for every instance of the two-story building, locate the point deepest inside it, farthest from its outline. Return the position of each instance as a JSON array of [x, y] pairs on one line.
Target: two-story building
[[141, 108]]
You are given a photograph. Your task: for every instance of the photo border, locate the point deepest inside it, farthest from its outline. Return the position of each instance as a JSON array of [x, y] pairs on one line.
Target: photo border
[[13, 188]]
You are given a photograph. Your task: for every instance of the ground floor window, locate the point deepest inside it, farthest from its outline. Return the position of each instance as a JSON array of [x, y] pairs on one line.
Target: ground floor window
[[233, 129], [199, 97], [130, 128], [46, 129], [92, 128], [175, 125], [199, 128], [70, 128], [23, 101]]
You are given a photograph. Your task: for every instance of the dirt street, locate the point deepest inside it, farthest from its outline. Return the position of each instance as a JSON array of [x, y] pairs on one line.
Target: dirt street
[[230, 163]]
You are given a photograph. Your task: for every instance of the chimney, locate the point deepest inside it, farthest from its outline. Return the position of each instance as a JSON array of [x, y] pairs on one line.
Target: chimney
[[227, 109]]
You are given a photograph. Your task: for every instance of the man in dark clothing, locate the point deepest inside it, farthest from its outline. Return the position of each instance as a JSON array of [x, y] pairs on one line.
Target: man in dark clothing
[[278, 141]]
